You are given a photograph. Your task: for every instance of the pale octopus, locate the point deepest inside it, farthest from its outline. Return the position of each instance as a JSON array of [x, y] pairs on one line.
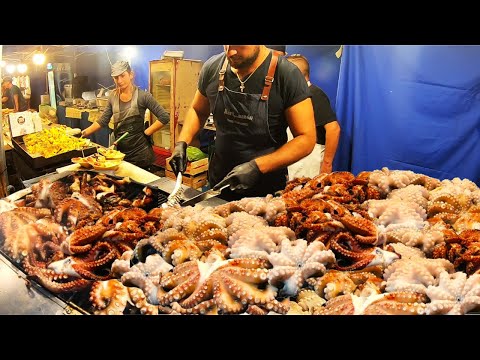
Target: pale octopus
[[296, 262]]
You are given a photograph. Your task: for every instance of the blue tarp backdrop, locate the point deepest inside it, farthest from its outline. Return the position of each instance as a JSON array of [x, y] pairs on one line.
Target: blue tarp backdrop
[[410, 108]]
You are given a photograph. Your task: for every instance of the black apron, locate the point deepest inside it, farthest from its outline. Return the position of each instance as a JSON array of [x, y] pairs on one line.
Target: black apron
[[136, 146], [242, 134]]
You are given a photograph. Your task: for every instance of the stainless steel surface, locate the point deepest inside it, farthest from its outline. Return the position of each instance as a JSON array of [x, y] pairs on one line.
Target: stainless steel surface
[[204, 196], [51, 176], [16, 298], [167, 185]]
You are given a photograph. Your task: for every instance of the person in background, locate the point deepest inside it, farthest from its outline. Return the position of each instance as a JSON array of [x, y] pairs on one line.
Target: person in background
[[15, 96], [328, 129], [280, 49], [7, 101], [253, 95], [128, 103]]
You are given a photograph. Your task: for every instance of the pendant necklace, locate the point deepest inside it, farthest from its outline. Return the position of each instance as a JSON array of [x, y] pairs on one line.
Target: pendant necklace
[[242, 83]]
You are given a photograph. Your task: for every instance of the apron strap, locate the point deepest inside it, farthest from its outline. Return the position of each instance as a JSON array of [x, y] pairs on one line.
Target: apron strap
[[269, 78], [221, 78]]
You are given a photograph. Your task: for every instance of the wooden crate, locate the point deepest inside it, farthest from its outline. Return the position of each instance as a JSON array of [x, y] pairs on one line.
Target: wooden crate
[[193, 168], [193, 181]]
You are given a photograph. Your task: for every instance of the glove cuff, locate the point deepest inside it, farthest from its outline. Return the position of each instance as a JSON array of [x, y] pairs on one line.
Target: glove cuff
[[254, 166], [181, 145]]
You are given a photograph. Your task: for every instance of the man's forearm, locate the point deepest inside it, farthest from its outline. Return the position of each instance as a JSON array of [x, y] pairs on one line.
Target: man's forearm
[[192, 125], [157, 125], [291, 152], [91, 129], [332, 135], [15, 100]]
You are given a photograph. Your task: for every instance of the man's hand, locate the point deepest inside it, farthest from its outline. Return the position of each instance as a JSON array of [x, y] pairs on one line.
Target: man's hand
[[325, 168], [178, 162], [242, 177]]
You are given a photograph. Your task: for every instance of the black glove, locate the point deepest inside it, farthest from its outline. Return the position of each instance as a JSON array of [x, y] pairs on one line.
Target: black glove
[[242, 177], [178, 162]]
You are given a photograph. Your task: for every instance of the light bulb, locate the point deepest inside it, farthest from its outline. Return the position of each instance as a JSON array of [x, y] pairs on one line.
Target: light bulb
[[129, 52], [22, 68], [38, 58], [10, 68]]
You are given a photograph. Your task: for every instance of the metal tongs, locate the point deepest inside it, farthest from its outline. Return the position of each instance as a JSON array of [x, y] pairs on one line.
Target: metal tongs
[[118, 140], [177, 194]]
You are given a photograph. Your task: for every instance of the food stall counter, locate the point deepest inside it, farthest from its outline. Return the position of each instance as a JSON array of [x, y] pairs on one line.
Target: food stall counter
[[124, 169]]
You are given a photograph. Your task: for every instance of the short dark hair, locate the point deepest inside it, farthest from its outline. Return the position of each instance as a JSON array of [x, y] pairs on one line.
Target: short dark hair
[[7, 79], [303, 60], [281, 48]]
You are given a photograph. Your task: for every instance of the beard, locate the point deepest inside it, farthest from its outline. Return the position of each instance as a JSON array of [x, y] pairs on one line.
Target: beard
[[240, 62]]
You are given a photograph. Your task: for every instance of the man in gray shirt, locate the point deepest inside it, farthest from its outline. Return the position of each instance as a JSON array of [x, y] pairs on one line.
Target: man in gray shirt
[[127, 104]]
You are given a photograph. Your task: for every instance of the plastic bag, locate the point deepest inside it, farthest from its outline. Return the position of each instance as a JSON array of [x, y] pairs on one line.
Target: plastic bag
[[195, 154]]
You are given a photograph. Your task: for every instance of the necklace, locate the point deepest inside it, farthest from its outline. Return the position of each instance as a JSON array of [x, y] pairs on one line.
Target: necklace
[[242, 83]]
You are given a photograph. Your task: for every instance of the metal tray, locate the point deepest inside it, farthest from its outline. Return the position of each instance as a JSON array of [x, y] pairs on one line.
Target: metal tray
[[38, 162], [78, 302]]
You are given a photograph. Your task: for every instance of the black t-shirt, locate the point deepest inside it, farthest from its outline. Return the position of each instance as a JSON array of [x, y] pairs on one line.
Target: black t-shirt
[[322, 110], [289, 88], [9, 103], [22, 103]]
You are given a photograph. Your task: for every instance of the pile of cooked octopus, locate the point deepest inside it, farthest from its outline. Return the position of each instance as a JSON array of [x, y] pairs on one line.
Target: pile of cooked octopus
[[382, 242]]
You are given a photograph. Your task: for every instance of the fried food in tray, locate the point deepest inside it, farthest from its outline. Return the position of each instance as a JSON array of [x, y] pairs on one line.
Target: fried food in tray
[[82, 161], [111, 154], [53, 141], [97, 161]]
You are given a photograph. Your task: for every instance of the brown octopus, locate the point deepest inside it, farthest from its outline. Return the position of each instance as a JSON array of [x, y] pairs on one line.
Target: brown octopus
[[229, 285]]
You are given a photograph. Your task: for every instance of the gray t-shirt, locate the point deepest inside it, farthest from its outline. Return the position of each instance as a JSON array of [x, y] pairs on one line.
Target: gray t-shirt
[[145, 101]]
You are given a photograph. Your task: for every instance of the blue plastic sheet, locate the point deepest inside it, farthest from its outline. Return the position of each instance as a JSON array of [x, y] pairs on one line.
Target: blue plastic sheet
[[410, 108]]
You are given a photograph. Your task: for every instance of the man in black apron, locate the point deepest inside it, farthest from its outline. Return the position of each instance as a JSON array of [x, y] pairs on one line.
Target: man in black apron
[[127, 104], [253, 96]]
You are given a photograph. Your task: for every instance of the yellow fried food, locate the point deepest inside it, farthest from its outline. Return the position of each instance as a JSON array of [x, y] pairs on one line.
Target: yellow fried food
[[111, 154], [53, 141]]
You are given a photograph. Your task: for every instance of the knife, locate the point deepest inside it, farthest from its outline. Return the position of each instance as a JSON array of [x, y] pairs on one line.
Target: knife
[[203, 196]]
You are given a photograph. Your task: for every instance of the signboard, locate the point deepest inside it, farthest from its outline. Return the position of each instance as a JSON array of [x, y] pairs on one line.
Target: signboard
[[21, 123]]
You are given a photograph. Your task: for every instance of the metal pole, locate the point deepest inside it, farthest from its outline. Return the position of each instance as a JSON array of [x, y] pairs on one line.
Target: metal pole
[[3, 162]]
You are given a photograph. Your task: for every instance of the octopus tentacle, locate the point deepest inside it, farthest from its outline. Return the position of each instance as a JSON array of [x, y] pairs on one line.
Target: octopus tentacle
[[109, 297], [80, 240], [140, 302], [208, 307]]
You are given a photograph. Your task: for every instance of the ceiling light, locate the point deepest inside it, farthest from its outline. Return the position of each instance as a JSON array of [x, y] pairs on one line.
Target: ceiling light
[[129, 52], [10, 68], [38, 58], [22, 68]]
